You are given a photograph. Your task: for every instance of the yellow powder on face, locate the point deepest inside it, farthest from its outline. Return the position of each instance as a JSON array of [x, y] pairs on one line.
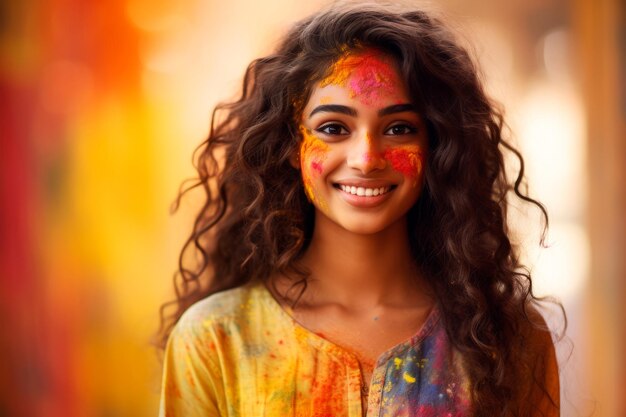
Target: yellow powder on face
[[326, 99], [313, 152], [341, 70]]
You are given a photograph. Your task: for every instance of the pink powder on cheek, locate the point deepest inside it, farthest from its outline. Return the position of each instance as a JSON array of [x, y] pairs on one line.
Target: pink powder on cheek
[[406, 160], [317, 166]]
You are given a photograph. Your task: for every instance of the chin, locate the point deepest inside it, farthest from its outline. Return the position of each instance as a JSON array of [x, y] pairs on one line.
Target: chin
[[361, 228], [368, 225]]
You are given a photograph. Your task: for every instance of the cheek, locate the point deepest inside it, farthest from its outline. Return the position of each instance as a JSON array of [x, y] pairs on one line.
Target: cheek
[[406, 160], [313, 153]]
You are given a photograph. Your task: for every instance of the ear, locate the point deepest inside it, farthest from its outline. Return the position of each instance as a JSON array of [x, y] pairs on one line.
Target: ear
[[294, 159]]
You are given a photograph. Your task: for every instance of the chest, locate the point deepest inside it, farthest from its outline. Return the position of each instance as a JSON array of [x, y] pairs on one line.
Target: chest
[[366, 335], [312, 375]]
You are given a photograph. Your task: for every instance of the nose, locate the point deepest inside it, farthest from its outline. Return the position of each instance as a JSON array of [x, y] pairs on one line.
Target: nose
[[364, 155]]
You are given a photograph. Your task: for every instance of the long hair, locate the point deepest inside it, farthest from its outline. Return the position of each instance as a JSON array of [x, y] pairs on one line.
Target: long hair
[[256, 220]]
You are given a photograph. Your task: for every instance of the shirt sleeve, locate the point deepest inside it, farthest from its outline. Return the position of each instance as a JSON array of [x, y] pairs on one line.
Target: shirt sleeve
[[543, 393], [191, 384]]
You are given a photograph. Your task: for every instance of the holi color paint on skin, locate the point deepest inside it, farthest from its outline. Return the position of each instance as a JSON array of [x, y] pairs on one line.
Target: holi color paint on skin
[[313, 152], [368, 75], [368, 139], [405, 159]]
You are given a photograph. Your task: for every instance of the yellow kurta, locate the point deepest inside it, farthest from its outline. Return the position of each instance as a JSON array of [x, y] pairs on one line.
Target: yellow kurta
[[238, 353]]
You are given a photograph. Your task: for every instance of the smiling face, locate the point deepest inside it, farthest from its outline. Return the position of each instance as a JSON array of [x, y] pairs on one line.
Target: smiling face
[[364, 145]]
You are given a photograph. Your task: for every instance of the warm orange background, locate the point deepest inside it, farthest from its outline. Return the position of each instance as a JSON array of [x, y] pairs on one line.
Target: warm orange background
[[103, 103]]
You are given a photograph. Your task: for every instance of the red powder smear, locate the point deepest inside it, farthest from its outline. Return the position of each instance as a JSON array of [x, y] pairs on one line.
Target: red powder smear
[[370, 75], [328, 400], [372, 79], [407, 160], [317, 166]]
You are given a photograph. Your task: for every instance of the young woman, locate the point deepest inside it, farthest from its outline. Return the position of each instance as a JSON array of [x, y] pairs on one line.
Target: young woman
[[354, 251]]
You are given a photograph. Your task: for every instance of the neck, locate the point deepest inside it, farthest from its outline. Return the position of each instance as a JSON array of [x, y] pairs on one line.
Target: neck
[[358, 270]]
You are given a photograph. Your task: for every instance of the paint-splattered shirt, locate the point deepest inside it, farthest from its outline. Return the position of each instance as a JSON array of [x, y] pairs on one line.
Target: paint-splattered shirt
[[238, 353]]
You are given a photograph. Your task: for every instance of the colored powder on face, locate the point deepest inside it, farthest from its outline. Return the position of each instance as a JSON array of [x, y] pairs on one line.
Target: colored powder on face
[[405, 159], [313, 152], [368, 75], [367, 157]]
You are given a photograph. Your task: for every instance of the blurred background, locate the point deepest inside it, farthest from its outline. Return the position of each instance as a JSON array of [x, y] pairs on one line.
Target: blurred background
[[104, 102]]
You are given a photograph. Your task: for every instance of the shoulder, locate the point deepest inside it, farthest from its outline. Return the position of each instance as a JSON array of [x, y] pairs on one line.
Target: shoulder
[[224, 304], [221, 311], [540, 365], [535, 333]]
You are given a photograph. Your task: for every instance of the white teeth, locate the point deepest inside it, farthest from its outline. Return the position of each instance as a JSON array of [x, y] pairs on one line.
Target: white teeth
[[362, 191]]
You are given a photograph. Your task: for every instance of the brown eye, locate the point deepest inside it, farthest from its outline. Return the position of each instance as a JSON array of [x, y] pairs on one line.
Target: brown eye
[[332, 129], [400, 129]]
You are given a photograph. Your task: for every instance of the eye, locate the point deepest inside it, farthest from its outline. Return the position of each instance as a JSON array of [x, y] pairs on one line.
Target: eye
[[401, 129], [332, 129]]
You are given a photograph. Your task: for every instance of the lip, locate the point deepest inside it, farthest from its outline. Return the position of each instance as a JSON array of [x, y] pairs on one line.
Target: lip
[[365, 183], [363, 201]]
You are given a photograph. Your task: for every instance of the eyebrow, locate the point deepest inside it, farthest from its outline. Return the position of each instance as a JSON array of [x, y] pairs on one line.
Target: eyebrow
[[397, 108], [337, 108], [334, 108]]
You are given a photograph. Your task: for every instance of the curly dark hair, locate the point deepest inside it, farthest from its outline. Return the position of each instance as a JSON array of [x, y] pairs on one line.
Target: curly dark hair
[[256, 220]]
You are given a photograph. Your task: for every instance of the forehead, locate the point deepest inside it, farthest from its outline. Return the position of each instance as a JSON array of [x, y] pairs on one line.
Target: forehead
[[368, 76]]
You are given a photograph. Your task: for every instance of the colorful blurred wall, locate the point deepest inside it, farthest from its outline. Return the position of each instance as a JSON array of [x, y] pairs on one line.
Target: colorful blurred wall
[[103, 103]]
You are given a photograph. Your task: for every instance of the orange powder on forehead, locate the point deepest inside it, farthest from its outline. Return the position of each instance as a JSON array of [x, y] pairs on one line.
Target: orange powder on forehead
[[368, 75]]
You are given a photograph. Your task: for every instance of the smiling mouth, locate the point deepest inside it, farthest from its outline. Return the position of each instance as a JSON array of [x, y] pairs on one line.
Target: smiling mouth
[[364, 191]]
